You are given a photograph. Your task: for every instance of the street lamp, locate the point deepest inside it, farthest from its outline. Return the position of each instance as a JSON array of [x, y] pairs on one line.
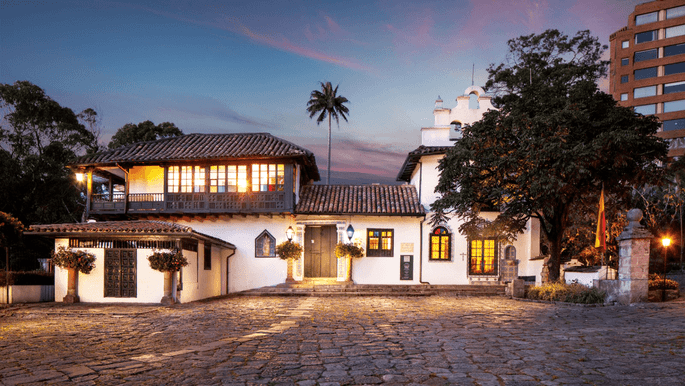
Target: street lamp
[[79, 177], [289, 233], [665, 242]]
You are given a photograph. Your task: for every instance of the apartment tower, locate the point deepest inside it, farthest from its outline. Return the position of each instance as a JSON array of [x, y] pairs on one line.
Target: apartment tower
[[647, 70]]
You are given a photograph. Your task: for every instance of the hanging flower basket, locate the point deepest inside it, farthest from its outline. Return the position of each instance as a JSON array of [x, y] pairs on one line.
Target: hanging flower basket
[[78, 260], [167, 261], [348, 250], [289, 250]]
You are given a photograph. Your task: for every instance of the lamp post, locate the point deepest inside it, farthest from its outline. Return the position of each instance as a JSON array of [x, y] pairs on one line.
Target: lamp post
[[289, 233], [665, 242]]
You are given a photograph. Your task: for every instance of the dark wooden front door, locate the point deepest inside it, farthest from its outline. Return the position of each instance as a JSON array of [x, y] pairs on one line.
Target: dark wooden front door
[[319, 251], [120, 273]]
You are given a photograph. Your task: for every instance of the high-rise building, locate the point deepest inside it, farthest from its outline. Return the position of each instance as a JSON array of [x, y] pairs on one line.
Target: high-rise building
[[647, 69]]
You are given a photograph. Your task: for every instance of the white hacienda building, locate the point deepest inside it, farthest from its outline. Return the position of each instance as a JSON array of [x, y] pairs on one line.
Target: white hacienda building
[[227, 200]]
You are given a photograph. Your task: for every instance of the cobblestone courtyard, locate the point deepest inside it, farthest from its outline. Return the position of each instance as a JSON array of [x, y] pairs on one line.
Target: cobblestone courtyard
[[355, 340]]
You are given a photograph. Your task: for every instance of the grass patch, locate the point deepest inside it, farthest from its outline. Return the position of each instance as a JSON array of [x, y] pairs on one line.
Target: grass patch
[[562, 292]]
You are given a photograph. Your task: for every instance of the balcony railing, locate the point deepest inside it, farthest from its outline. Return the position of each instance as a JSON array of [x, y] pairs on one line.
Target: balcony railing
[[190, 202]]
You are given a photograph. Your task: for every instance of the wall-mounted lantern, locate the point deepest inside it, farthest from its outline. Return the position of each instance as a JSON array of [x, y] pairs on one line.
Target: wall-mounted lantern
[[289, 233], [350, 232]]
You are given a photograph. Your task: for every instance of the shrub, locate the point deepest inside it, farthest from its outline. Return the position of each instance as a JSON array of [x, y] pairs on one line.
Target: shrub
[[167, 261], [657, 282], [289, 250], [571, 293], [351, 250], [81, 261]]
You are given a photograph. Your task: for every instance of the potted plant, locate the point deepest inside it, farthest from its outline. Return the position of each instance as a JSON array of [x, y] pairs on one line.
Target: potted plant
[[74, 262], [169, 263], [350, 251], [289, 251]]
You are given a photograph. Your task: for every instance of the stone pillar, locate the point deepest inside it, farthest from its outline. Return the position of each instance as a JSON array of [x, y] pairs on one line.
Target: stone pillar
[[72, 286], [633, 260], [168, 288]]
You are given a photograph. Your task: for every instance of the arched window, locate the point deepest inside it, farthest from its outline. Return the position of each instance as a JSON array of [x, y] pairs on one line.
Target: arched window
[[510, 253], [455, 126], [440, 242], [265, 245]]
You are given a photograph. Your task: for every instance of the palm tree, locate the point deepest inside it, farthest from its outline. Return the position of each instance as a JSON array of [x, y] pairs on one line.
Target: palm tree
[[327, 103]]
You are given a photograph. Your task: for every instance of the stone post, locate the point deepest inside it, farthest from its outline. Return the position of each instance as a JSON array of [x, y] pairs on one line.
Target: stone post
[[633, 263], [72, 286], [289, 273], [168, 281]]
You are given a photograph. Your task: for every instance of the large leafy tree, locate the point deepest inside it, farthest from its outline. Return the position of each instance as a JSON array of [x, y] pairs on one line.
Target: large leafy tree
[[327, 103], [555, 140], [38, 137], [144, 131]]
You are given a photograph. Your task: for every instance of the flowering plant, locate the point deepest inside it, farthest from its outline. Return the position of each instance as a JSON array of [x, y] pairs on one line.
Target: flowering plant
[[79, 260], [289, 250], [167, 261], [351, 250]]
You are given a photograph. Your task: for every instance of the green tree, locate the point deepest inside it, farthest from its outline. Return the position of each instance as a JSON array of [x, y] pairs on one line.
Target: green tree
[[326, 103], [144, 131], [553, 142], [38, 138]]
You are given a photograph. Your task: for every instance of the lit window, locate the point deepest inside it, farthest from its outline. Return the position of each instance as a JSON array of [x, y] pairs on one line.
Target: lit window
[[265, 245], [672, 106], [642, 92], [440, 242], [379, 242], [678, 30], [675, 68], [483, 257], [217, 179], [641, 56], [646, 18], [670, 88], [675, 12], [646, 109], [645, 73], [186, 179], [199, 179], [675, 49], [647, 36], [624, 78], [625, 44], [624, 96], [172, 179], [268, 177]]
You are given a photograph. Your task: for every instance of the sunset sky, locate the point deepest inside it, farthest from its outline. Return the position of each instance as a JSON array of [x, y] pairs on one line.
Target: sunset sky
[[232, 67]]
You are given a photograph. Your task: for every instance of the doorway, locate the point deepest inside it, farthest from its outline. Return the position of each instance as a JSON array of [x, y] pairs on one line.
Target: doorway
[[319, 251]]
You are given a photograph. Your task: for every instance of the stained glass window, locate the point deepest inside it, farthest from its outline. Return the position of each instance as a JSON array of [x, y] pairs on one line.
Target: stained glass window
[[440, 241]]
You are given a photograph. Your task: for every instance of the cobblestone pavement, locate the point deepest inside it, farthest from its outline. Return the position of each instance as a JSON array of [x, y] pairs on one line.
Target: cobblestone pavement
[[335, 341]]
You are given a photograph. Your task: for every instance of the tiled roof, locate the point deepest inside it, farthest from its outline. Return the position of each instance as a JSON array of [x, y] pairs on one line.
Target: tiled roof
[[391, 200], [413, 159], [204, 147], [121, 228]]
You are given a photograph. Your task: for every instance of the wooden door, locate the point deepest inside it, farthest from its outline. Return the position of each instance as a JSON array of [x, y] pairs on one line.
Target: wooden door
[[319, 251], [120, 273]]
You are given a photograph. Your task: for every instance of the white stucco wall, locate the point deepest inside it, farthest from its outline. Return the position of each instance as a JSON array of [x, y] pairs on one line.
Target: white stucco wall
[[200, 283], [146, 179]]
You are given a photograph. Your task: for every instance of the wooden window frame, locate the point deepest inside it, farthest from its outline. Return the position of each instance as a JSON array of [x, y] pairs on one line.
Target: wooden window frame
[[438, 237], [259, 245], [495, 258], [380, 251]]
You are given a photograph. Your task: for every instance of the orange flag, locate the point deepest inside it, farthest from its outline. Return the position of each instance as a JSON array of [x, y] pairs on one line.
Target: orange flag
[[601, 235]]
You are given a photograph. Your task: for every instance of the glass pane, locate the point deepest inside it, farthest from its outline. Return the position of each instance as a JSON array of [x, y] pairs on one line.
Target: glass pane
[[255, 177], [373, 242], [186, 179], [173, 176], [199, 181], [670, 88], [675, 68], [624, 96], [643, 92], [674, 124], [624, 78], [646, 109], [678, 30], [675, 49], [625, 44], [646, 36], [242, 179], [231, 178], [641, 56], [645, 73], [675, 12], [625, 61], [646, 18], [672, 106]]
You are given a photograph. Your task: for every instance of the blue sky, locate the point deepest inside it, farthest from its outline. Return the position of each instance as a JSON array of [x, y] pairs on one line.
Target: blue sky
[[233, 66]]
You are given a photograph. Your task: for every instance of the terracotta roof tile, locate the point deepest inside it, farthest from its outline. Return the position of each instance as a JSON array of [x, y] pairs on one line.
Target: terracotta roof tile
[[398, 200], [204, 147], [413, 159]]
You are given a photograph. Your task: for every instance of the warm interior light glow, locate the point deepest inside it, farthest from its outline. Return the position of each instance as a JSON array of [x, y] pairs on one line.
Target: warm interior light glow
[[665, 241], [79, 177], [289, 233]]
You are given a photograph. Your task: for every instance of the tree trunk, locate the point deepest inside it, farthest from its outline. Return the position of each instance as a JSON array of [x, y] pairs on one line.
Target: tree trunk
[[328, 165], [168, 288], [554, 263], [72, 287]]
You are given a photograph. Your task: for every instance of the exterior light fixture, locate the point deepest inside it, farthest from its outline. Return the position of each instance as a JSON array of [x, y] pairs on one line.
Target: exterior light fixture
[[665, 242], [350, 232], [79, 177], [289, 233]]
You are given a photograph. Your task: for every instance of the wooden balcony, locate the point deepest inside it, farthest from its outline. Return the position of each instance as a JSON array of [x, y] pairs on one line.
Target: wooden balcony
[[179, 203]]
